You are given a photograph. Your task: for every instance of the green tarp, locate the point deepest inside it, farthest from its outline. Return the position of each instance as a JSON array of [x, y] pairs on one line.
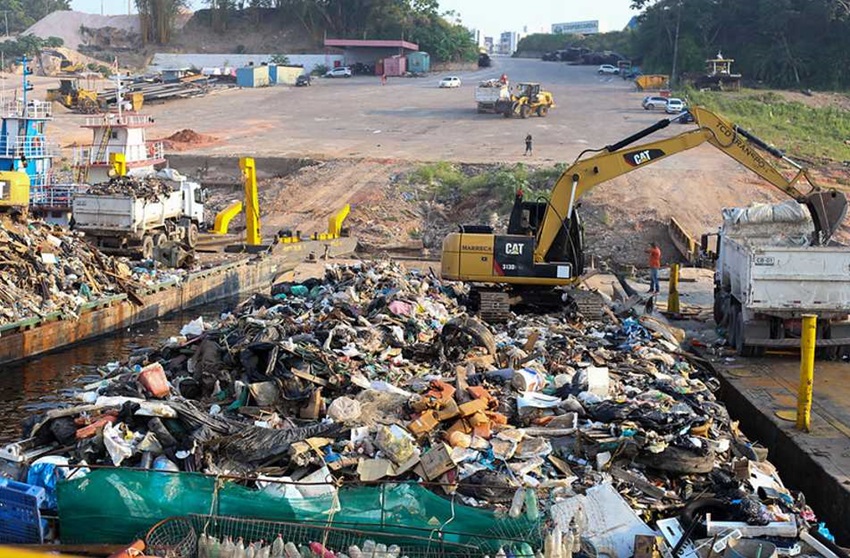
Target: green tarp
[[117, 505]]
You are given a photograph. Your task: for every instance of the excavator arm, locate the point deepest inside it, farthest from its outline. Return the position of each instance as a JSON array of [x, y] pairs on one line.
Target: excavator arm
[[828, 208]]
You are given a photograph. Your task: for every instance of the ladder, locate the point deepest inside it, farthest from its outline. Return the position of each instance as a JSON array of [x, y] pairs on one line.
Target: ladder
[[83, 171]]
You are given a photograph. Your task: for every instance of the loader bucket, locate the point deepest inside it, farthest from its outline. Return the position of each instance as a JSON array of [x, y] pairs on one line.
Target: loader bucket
[[828, 209]]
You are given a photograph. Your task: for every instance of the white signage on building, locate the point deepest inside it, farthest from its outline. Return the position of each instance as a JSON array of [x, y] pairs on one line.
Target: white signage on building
[[576, 27]]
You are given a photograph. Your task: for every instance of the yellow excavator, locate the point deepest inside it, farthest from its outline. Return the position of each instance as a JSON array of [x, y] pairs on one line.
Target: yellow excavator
[[544, 244], [14, 191]]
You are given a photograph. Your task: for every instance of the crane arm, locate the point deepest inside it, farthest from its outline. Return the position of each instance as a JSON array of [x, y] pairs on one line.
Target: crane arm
[[828, 208]]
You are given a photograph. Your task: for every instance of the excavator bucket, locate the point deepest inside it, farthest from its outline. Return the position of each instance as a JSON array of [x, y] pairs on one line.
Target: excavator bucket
[[828, 209]]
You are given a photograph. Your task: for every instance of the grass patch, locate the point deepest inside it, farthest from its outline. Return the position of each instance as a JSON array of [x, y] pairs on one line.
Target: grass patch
[[794, 127], [498, 182]]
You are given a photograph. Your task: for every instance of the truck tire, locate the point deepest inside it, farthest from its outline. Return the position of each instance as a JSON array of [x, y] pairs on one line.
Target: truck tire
[[508, 112], [542, 111], [147, 247], [192, 235], [160, 239], [741, 347], [524, 111]]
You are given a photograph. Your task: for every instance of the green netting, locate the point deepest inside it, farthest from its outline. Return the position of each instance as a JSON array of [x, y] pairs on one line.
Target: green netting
[[116, 505]]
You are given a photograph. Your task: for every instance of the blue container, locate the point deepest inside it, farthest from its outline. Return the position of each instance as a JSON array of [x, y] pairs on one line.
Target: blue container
[[20, 518], [252, 76], [419, 62]]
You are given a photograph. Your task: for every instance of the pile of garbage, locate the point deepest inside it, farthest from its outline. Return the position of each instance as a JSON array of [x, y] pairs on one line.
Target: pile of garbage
[[152, 187], [48, 269], [376, 373]]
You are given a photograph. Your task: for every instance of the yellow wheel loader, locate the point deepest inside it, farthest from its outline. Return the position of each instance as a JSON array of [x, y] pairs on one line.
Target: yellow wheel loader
[[528, 99]]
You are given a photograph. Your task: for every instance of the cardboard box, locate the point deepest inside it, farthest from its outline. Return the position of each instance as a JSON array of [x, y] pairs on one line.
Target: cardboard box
[[436, 462]]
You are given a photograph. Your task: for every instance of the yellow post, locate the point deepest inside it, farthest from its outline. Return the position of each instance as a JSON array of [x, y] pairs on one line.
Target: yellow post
[[252, 202], [119, 163], [807, 372], [673, 296]]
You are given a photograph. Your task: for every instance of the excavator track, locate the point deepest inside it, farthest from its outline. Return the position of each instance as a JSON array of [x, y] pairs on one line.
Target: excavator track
[[494, 306], [589, 304]]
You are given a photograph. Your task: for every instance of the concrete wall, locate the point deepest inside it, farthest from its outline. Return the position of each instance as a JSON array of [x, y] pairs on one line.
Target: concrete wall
[[163, 61]]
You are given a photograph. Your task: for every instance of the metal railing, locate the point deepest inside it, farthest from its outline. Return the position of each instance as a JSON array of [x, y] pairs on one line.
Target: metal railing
[[112, 119], [53, 195], [92, 155], [32, 147], [34, 109]]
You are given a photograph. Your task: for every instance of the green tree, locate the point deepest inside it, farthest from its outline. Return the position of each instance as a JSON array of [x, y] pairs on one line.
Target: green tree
[[157, 17], [21, 14]]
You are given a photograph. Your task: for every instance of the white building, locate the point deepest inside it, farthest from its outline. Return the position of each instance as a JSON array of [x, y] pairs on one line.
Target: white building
[[590, 27], [508, 42]]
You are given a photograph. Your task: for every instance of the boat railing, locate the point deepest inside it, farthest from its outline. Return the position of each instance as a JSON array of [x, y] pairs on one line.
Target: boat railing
[[94, 155], [30, 147], [55, 196], [112, 119], [14, 108]]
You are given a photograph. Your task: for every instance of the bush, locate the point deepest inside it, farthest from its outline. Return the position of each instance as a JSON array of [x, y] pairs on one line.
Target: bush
[[320, 70]]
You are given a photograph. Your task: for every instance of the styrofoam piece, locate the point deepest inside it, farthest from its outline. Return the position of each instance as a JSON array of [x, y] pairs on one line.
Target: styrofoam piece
[[672, 532]]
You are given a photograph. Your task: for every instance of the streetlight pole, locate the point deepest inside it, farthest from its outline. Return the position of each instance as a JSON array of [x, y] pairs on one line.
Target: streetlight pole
[[673, 79]]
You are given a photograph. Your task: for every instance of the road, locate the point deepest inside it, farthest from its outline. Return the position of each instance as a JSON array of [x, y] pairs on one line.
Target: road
[[409, 118]]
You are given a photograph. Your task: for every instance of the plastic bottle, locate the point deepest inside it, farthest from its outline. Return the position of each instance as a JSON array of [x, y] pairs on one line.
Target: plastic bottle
[[290, 550], [568, 543], [576, 536], [380, 551], [556, 543], [203, 546], [532, 512], [354, 551], [501, 553], [262, 551], [393, 551], [251, 551], [516, 503], [277, 547], [227, 548], [369, 548], [214, 547], [239, 550]]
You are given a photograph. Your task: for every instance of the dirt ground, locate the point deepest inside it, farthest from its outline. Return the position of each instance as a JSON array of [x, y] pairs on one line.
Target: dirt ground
[[366, 136]]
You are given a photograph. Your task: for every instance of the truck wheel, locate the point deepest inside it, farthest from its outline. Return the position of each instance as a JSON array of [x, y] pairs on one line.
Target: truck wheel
[[192, 235], [746, 351], [524, 111], [508, 112], [160, 239], [719, 314], [732, 329], [147, 247], [542, 111]]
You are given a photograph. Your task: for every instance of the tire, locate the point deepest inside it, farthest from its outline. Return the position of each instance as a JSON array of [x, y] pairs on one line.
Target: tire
[[524, 111], [160, 239], [147, 247], [732, 328], [542, 111], [507, 112], [192, 235], [744, 350], [718, 310]]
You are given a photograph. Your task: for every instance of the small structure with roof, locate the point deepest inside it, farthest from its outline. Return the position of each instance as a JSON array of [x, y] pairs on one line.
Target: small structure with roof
[[384, 54]]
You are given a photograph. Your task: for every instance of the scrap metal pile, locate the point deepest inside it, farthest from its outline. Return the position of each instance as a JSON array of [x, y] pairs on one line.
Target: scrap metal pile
[[375, 373], [151, 188]]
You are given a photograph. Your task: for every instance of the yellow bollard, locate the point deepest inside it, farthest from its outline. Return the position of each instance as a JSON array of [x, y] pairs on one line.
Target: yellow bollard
[[673, 296], [807, 372]]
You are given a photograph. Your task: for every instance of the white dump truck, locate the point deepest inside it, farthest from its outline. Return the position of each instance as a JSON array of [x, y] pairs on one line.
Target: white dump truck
[[493, 96], [768, 274], [132, 220]]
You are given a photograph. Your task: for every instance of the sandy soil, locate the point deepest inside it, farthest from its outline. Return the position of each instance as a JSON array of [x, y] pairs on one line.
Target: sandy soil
[[367, 135]]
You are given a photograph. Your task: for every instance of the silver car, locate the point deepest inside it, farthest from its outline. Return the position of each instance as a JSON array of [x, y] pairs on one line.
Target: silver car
[[652, 103]]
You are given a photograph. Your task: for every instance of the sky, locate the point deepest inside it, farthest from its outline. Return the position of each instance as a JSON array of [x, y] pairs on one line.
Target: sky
[[491, 17]]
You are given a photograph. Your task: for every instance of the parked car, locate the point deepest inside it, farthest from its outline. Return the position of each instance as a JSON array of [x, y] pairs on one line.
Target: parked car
[[303, 80], [675, 106], [686, 117], [608, 69], [342, 71], [652, 103], [450, 81]]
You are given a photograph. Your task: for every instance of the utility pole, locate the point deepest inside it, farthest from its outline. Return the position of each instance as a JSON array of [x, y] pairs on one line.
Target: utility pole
[[6, 19], [673, 74]]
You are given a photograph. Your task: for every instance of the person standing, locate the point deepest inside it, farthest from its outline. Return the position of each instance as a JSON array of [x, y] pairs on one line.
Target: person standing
[[528, 149], [654, 265]]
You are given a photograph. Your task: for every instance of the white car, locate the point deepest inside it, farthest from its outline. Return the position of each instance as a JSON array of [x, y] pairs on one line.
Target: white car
[[450, 81], [608, 69], [342, 71], [675, 106]]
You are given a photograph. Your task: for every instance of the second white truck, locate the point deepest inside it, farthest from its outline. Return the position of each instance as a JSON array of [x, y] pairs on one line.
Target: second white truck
[[492, 96], [768, 275], [132, 224]]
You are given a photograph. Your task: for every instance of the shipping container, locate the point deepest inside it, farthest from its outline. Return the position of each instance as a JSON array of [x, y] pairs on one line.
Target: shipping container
[[394, 66], [284, 75], [253, 76], [419, 62]]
